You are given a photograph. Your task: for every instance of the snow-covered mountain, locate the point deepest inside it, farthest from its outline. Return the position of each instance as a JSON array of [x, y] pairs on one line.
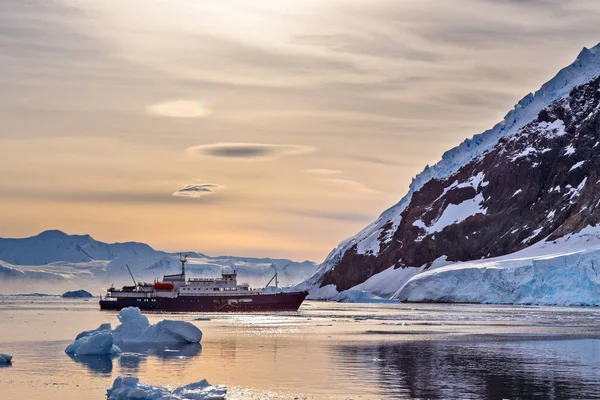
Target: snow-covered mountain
[[530, 180], [54, 245], [79, 261]]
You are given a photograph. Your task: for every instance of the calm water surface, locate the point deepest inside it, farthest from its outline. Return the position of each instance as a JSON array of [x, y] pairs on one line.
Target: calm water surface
[[325, 351]]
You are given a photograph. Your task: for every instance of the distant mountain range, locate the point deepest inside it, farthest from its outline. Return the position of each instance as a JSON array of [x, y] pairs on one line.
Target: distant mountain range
[[79, 261]]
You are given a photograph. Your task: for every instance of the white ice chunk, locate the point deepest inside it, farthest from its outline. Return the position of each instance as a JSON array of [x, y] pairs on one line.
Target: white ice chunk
[[96, 343], [103, 327], [135, 328], [130, 387]]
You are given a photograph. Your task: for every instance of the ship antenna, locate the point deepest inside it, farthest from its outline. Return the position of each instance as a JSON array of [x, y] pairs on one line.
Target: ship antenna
[[134, 283]]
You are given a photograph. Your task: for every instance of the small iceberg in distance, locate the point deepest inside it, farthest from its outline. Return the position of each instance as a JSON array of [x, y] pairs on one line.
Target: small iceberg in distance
[[5, 359], [77, 294], [130, 387]]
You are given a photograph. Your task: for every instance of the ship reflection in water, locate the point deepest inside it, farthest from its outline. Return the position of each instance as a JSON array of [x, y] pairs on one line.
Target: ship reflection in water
[[560, 369]]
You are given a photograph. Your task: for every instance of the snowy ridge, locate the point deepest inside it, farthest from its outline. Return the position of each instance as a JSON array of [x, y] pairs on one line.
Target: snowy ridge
[[583, 69], [371, 239]]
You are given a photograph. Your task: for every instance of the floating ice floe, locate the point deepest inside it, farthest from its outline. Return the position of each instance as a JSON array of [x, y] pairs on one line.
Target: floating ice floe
[[5, 358], [130, 387], [134, 329]]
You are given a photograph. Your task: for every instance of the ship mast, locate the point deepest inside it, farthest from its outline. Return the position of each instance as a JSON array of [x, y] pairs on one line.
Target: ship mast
[[182, 260]]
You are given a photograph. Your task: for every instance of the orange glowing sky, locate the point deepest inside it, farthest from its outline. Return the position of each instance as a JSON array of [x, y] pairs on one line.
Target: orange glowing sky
[[290, 125]]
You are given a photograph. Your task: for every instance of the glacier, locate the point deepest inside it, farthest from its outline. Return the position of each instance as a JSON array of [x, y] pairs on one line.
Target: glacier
[[564, 272], [130, 387]]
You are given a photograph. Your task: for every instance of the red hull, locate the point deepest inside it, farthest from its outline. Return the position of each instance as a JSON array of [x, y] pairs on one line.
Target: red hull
[[290, 301]]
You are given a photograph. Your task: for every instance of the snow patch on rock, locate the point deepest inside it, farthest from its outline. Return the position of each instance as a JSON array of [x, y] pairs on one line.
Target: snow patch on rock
[[455, 213], [577, 165]]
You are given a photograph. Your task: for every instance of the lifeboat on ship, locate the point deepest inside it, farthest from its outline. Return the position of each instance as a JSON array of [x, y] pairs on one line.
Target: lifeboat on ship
[[163, 286]]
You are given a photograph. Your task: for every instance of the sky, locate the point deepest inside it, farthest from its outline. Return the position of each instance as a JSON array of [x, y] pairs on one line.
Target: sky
[[259, 128]]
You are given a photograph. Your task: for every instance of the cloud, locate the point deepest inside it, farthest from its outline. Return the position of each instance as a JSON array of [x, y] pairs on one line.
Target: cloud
[[180, 109], [248, 151], [323, 171], [350, 185], [197, 190], [377, 160]]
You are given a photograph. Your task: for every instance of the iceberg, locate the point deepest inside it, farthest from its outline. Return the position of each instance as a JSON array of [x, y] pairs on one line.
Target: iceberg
[[5, 358], [135, 328], [130, 387], [103, 327], [77, 294], [94, 343]]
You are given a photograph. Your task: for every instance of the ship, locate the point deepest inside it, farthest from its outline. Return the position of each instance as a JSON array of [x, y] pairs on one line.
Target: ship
[[176, 294]]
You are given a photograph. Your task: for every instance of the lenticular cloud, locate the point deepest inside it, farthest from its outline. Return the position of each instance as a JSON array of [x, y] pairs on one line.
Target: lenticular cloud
[[248, 151], [197, 190]]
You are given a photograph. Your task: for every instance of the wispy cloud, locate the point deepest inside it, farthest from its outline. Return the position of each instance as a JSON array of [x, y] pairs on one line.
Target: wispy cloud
[[197, 190], [248, 151], [180, 109], [323, 171], [349, 185]]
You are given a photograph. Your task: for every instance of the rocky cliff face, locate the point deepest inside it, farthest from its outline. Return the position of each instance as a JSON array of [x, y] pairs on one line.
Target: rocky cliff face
[[537, 181]]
